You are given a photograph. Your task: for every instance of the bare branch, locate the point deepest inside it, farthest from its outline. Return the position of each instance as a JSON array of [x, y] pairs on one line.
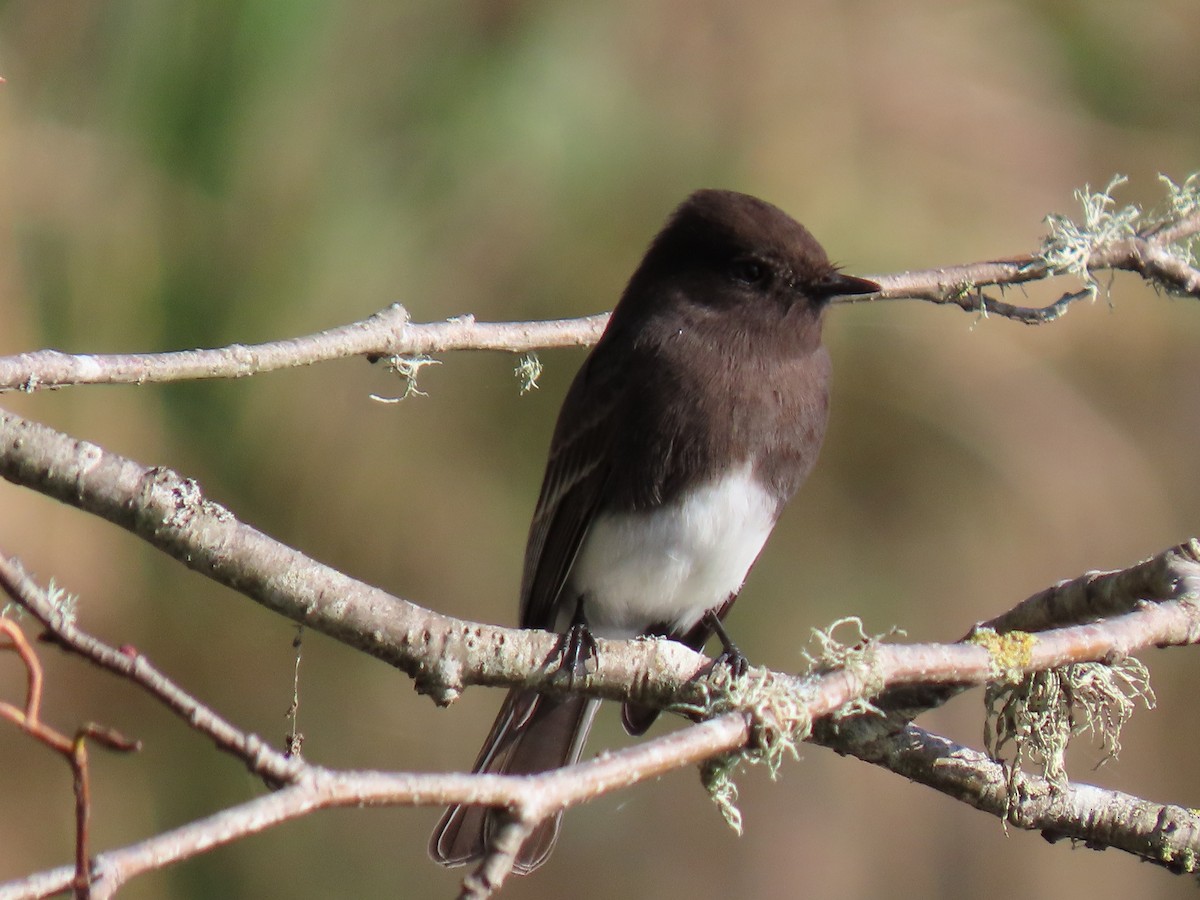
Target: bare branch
[[387, 333], [259, 757], [537, 796], [1164, 834], [321, 788], [1093, 595], [532, 798], [1171, 574], [442, 653], [74, 750], [1151, 253], [493, 870]]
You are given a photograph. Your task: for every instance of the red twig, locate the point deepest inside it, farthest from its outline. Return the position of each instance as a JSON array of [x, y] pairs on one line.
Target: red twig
[[73, 750]]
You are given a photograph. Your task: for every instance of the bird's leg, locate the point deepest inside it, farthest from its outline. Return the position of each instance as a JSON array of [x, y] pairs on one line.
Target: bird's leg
[[578, 645], [730, 656]]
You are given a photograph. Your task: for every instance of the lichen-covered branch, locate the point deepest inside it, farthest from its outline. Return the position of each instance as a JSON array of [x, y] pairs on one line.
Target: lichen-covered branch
[[1056, 664], [384, 335], [441, 653], [1094, 595], [1156, 244], [1165, 834], [444, 654]]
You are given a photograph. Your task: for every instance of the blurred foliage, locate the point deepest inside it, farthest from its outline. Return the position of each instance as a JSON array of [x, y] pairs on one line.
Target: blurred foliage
[[194, 174]]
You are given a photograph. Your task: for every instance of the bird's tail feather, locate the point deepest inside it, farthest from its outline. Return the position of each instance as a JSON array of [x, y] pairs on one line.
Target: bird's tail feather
[[532, 733]]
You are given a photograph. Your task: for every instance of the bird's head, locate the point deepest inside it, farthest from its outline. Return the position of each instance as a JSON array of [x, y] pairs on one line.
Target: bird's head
[[724, 250]]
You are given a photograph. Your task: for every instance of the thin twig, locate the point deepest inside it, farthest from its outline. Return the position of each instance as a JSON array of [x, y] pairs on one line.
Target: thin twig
[[259, 756], [1146, 254], [73, 750], [321, 788], [389, 333], [1173, 574], [493, 870]]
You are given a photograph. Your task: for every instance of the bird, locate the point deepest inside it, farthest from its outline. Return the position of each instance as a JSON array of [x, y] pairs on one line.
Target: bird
[[694, 419]]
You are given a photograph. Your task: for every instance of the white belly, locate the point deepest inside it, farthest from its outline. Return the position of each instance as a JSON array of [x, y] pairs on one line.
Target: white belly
[[673, 563]]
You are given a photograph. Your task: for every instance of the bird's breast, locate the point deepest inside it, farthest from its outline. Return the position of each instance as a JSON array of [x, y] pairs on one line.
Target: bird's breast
[[669, 564]]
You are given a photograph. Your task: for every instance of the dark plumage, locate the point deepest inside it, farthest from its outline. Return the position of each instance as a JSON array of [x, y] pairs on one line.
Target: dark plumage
[[695, 418]]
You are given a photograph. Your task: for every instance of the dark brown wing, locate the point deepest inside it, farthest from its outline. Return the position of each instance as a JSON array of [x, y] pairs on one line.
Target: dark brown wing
[[534, 733], [579, 466]]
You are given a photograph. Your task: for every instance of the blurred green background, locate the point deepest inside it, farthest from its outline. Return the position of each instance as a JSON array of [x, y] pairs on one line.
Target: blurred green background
[[192, 174]]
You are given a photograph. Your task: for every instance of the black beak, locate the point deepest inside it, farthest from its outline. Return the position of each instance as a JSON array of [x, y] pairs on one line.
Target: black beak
[[835, 284]]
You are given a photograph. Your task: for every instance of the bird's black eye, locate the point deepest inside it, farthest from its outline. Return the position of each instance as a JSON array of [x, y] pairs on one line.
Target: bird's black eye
[[749, 271]]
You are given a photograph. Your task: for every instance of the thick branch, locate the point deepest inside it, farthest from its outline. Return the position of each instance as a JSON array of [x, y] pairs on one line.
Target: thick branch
[[1094, 595], [443, 653], [1088, 813], [1164, 834]]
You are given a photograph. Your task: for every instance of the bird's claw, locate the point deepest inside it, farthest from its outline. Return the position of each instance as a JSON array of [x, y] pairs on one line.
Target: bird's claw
[[733, 659], [579, 652]]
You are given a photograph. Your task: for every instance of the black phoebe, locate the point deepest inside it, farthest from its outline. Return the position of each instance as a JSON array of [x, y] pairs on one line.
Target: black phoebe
[[692, 422]]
